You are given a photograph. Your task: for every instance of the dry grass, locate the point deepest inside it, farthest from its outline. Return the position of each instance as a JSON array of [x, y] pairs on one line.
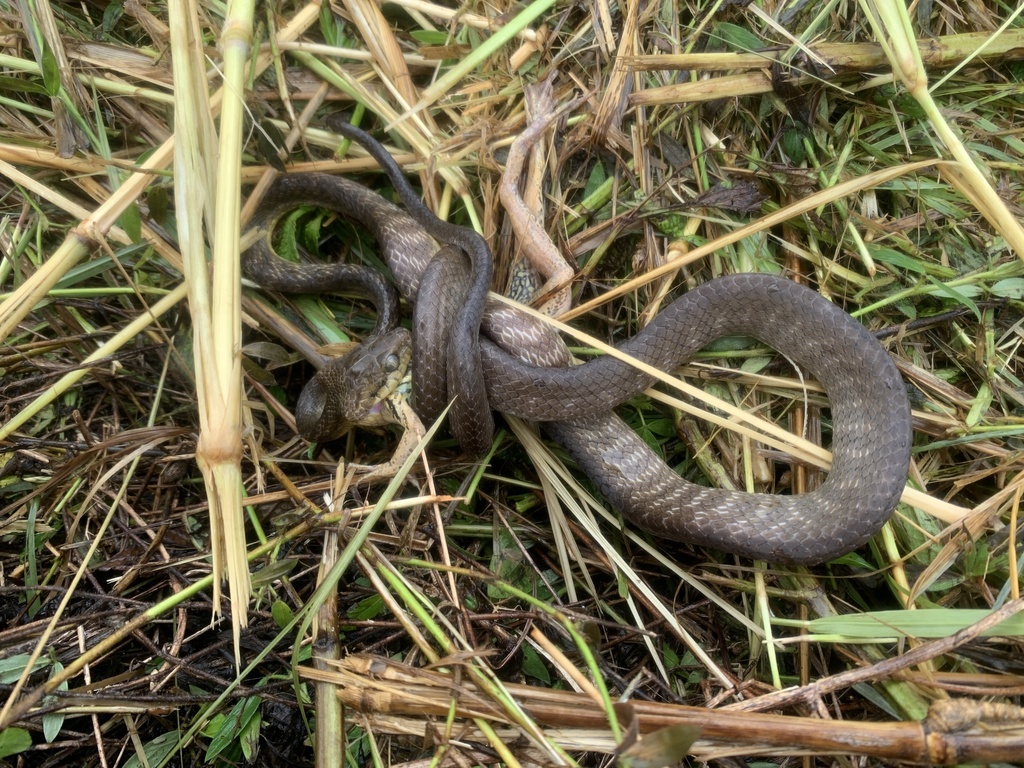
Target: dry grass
[[710, 138]]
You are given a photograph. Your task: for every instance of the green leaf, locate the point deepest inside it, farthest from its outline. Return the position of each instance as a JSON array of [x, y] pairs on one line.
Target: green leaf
[[755, 364], [21, 85], [51, 72], [233, 728], [429, 36], [311, 233], [653, 429], [595, 180], [509, 563], [269, 574], [159, 206], [980, 405], [737, 38], [285, 243], [13, 741], [793, 144], [894, 258], [665, 746], [333, 27], [368, 608], [1010, 288], [249, 738], [12, 667], [130, 221], [930, 622], [111, 15], [961, 294], [282, 613], [534, 666], [673, 225], [214, 725], [156, 751], [53, 722]]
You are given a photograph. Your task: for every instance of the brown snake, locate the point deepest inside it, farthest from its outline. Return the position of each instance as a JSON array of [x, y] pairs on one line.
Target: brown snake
[[528, 373]]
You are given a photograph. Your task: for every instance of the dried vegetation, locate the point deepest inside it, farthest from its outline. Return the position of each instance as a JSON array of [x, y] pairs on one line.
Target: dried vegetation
[[495, 613]]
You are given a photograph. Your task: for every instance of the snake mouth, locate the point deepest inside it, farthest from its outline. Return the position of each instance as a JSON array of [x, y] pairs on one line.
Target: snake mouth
[[362, 388], [386, 408]]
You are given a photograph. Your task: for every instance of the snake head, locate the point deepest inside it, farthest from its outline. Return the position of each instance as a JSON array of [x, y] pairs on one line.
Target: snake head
[[356, 389]]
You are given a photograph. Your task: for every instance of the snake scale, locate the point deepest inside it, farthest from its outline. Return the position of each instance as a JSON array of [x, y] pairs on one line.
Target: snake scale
[[528, 372]]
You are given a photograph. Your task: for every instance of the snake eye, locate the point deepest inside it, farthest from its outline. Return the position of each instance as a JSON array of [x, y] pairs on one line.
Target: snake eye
[[392, 363]]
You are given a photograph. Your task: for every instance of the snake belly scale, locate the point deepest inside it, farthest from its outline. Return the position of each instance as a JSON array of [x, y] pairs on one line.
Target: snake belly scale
[[528, 373]]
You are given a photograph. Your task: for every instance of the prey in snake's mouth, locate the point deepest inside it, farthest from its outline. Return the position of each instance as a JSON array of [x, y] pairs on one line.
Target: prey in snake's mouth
[[366, 387]]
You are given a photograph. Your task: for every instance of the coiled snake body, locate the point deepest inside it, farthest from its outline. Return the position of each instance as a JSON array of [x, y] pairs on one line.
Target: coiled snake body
[[528, 373]]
